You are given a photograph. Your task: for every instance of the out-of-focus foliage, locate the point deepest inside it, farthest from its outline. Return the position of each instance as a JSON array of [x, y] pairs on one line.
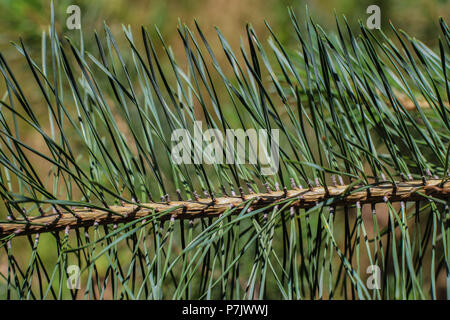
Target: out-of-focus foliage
[[28, 18]]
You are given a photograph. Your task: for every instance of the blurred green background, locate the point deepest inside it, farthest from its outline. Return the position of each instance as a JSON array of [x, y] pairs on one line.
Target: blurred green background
[[28, 18]]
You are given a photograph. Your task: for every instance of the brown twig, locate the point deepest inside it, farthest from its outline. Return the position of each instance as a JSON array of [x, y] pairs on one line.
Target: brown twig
[[207, 207]]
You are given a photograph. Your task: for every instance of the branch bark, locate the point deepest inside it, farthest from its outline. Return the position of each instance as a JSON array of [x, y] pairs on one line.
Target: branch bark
[[207, 207]]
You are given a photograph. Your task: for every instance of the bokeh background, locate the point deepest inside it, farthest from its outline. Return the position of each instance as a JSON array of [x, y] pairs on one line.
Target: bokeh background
[[28, 19]]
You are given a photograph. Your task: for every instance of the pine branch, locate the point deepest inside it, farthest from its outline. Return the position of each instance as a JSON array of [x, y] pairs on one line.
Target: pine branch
[[343, 108], [208, 207]]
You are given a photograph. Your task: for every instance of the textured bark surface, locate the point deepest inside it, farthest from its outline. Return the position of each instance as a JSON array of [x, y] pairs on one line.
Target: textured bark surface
[[207, 207]]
